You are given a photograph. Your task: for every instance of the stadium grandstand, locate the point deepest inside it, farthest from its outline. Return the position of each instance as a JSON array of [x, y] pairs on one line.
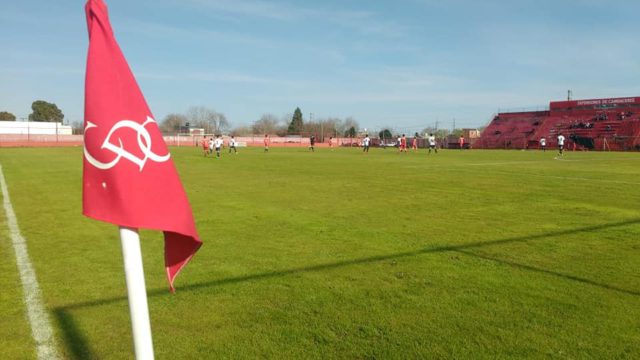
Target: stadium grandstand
[[594, 124]]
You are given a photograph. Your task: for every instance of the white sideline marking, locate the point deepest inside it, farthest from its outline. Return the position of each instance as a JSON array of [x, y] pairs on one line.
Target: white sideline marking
[[564, 177], [508, 163], [38, 319], [584, 179], [544, 161]]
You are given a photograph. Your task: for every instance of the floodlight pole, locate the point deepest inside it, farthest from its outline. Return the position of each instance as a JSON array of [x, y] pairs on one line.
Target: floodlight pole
[[137, 293]]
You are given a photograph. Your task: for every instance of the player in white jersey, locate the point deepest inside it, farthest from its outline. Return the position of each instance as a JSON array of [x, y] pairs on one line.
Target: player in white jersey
[[232, 145], [432, 143], [543, 144], [365, 144], [211, 145], [560, 144], [218, 145]]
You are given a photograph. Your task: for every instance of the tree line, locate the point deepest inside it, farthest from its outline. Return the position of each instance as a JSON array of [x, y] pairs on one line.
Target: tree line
[[40, 111], [214, 122], [294, 123]]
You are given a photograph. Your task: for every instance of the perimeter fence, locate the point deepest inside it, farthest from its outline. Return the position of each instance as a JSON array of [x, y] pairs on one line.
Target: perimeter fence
[[304, 140]]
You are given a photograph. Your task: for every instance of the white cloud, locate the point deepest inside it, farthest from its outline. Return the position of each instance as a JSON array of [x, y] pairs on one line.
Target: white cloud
[[164, 31], [363, 21], [261, 9], [160, 30], [229, 77]]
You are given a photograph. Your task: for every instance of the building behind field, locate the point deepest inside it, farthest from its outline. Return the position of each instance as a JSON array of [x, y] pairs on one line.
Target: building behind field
[[594, 124], [471, 136], [33, 128]]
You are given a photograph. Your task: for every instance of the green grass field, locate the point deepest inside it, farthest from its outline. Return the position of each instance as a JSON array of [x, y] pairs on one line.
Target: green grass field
[[465, 254]]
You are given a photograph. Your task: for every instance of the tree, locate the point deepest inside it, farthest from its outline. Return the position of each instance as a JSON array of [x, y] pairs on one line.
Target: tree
[[77, 127], [267, 124], [7, 116], [438, 134], [456, 132], [44, 111], [173, 122], [221, 123], [331, 125], [211, 121], [349, 123], [351, 132], [296, 125], [242, 130], [385, 134]]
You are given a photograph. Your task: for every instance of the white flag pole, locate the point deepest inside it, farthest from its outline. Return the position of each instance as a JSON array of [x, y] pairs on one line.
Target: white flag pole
[[137, 292]]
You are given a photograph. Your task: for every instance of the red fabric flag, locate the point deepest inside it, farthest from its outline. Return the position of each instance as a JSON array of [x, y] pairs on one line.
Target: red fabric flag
[[128, 176]]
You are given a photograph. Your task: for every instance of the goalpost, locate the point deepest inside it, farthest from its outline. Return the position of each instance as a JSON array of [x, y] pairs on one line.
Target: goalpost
[[196, 140], [186, 140], [191, 139]]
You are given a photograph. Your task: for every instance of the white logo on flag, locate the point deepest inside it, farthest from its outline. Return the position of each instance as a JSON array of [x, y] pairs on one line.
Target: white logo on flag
[[144, 142]]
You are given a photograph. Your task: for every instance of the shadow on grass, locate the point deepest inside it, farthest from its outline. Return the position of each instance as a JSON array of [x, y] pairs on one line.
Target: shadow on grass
[[75, 342], [78, 346], [549, 272]]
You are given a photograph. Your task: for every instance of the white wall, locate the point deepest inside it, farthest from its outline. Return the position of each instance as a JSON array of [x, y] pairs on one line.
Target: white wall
[[34, 128]]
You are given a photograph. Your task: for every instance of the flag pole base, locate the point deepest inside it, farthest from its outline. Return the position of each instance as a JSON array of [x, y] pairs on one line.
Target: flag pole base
[[137, 293]]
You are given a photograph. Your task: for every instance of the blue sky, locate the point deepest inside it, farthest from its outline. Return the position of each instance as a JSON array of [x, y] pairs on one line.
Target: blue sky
[[404, 64]]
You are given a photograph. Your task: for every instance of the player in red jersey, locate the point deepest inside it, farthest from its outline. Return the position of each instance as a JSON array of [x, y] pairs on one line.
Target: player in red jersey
[[266, 143], [414, 142], [461, 142], [205, 145], [403, 143]]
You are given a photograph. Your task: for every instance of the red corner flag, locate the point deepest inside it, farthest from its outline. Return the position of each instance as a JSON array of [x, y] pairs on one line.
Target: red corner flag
[[129, 178]]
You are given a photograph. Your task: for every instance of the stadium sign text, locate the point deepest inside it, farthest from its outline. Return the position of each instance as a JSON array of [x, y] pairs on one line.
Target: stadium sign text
[[606, 101]]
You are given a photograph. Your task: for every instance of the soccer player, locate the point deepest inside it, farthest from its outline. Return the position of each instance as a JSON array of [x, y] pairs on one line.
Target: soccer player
[[266, 143], [312, 143], [211, 144], [365, 144], [414, 142], [403, 143], [205, 145], [560, 144], [432, 143], [461, 141], [218, 144], [543, 144], [331, 143], [232, 145]]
